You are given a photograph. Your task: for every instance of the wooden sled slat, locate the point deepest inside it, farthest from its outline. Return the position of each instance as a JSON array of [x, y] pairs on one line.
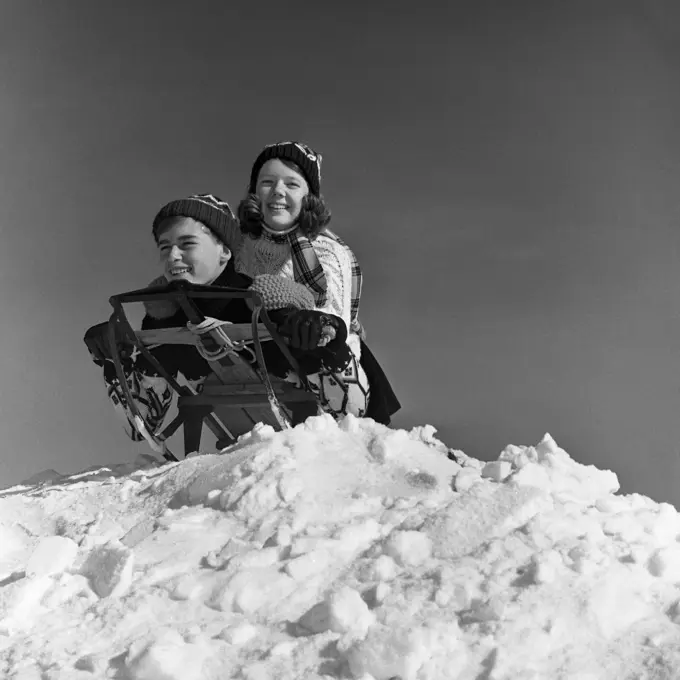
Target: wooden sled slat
[[244, 400], [256, 409], [280, 388], [238, 332]]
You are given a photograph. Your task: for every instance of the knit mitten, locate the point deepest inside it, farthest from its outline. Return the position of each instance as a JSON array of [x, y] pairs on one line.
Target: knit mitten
[[280, 293]]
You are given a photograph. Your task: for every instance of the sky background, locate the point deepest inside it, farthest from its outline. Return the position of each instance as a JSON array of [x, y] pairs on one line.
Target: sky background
[[506, 172]]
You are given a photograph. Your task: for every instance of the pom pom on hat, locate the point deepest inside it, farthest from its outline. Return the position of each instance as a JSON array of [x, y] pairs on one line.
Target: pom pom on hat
[[308, 160], [207, 209], [278, 293]]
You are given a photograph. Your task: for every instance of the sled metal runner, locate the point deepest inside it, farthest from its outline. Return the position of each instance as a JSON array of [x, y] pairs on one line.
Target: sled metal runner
[[237, 394]]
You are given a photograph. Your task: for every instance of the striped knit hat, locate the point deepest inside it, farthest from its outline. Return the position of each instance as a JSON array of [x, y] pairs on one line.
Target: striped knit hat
[[207, 209], [306, 158]]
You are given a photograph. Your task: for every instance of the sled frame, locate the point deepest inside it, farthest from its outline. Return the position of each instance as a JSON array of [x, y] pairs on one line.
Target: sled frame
[[252, 394]]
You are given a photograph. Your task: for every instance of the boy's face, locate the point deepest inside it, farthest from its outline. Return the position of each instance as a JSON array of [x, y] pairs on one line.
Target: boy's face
[[189, 251]]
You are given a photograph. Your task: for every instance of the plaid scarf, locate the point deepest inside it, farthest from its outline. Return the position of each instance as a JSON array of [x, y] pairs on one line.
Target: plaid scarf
[[308, 271]]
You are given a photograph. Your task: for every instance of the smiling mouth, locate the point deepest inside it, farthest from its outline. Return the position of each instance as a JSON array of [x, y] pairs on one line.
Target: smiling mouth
[[177, 271], [277, 206]]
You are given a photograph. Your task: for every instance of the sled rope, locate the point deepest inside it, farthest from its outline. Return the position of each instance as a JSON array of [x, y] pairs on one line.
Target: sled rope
[[274, 404], [224, 344]]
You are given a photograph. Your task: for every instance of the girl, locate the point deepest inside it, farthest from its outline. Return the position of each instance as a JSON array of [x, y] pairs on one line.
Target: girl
[[284, 221]]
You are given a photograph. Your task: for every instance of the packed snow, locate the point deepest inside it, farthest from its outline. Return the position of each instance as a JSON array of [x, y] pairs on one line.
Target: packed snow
[[339, 550]]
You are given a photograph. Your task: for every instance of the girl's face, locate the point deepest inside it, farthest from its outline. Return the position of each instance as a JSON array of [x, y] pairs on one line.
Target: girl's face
[[280, 190], [189, 252]]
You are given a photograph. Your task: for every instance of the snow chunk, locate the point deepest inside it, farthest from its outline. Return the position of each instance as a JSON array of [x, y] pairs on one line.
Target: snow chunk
[[553, 470], [673, 612], [409, 548], [316, 620], [187, 587], [664, 525], [497, 470], [67, 587], [408, 653], [613, 613], [168, 657], [545, 567], [23, 603], [109, 569], [546, 446], [52, 555], [239, 634], [348, 613], [309, 564], [586, 559], [285, 648], [665, 563], [384, 568], [484, 512], [466, 478], [32, 672], [12, 541], [253, 591]]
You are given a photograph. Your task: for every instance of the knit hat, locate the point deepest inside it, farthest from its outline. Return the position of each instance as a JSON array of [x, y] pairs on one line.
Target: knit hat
[[306, 158], [278, 293], [207, 209]]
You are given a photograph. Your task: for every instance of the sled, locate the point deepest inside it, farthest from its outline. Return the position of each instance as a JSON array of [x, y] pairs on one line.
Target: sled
[[239, 392]]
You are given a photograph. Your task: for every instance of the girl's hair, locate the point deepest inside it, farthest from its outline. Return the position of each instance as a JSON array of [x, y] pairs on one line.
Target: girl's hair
[[313, 218]]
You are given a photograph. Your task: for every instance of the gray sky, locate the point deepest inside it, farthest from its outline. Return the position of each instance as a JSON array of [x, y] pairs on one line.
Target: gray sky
[[506, 172]]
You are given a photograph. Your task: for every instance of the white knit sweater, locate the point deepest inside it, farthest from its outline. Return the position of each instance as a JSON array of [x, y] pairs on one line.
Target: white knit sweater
[[262, 256]]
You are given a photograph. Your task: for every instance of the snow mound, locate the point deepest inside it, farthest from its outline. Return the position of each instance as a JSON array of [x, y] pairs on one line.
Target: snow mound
[[339, 551]]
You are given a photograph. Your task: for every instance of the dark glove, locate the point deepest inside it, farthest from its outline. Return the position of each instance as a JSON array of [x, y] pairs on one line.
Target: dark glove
[[160, 309], [97, 341], [308, 329]]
